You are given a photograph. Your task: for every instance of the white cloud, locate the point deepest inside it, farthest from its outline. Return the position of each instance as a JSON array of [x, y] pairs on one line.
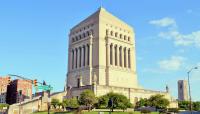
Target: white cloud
[[192, 39], [173, 64], [164, 22], [179, 39]]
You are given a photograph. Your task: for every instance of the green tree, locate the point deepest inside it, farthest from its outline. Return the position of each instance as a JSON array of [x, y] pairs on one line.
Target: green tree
[[114, 101], [71, 103], [158, 101], [60, 105], [2, 105], [142, 102], [54, 102], [196, 106], [102, 101], [87, 98], [184, 105]]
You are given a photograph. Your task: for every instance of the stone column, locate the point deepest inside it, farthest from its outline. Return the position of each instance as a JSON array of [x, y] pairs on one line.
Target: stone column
[[132, 59], [126, 57], [70, 60], [107, 60], [117, 51], [123, 57], [90, 45], [78, 55], [82, 57], [91, 57], [113, 55], [75, 58], [107, 54], [86, 55]]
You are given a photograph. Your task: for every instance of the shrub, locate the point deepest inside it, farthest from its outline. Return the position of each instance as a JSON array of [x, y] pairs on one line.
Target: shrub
[[87, 98], [71, 103], [54, 102]]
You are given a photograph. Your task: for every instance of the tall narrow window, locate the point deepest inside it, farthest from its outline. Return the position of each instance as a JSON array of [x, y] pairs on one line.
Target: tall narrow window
[[129, 59], [88, 54], [115, 55], [88, 33], [84, 35], [78, 82], [80, 37], [120, 56], [111, 55], [111, 33], [107, 32], [124, 57], [120, 35], [116, 34], [80, 57], [72, 59], [83, 55], [124, 37], [76, 57]]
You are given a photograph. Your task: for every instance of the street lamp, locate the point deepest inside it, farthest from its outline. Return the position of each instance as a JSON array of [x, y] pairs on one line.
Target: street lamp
[[190, 97]]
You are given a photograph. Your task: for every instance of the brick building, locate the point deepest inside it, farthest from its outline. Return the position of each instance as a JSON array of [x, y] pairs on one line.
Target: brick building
[[3, 88], [19, 90]]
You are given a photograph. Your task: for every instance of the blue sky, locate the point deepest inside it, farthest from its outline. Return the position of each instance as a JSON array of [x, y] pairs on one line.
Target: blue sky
[[34, 38]]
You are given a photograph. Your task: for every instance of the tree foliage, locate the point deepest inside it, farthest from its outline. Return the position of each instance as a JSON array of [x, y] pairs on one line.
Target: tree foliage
[[114, 101], [2, 105], [196, 106], [55, 103], [102, 102], [158, 101], [71, 103], [142, 102], [185, 105], [87, 98]]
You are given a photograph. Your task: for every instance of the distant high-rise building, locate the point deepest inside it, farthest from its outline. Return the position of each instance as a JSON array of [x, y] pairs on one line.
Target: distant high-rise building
[[182, 90]]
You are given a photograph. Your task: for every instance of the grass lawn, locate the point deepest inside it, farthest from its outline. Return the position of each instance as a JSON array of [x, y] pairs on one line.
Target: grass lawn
[[118, 113], [92, 113], [53, 113]]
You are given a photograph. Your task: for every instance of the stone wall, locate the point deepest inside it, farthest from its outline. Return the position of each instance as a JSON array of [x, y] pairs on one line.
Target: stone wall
[[134, 94], [27, 107]]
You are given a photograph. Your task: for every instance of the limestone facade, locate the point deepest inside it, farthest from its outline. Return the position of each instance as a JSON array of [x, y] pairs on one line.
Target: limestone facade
[[101, 57], [102, 50]]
